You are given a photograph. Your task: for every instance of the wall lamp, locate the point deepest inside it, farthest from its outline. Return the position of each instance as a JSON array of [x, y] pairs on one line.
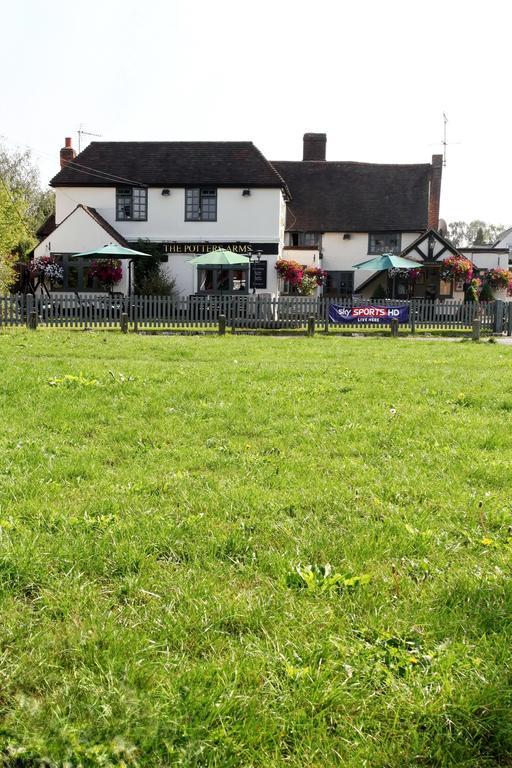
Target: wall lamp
[[246, 192], [166, 192]]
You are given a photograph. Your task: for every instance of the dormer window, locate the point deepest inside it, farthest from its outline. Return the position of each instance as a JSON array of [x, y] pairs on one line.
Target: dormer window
[[131, 204], [201, 204]]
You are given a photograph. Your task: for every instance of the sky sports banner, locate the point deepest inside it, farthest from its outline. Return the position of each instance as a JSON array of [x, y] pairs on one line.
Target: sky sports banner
[[368, 315]]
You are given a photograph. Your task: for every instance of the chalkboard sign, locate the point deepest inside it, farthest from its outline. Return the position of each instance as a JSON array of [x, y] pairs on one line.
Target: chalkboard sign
[[259, 274]]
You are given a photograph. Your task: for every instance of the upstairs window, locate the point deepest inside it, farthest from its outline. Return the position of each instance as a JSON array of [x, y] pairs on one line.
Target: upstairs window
[[131, 204], [384, 242], [201, 204], [307, 239]]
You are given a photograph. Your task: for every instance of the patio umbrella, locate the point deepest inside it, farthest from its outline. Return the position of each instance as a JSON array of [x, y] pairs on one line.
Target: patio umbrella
[[387, 261], [220, 257], [113, 251]]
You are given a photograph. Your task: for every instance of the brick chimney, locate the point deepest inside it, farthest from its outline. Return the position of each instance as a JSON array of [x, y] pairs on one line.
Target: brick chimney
[[434, 196], [67, 153], [314, 146]]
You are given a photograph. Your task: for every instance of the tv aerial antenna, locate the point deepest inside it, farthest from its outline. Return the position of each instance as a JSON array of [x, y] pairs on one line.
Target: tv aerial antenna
[[445, 143], [81, 133]]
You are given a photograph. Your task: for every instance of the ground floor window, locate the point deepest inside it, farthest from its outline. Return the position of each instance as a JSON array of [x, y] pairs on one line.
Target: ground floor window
[[76, 275], [339, 283], [217, 280]]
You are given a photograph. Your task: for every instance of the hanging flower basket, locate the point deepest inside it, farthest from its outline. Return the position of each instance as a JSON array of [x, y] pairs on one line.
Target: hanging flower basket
[[415, 274], [411, 275], [319, 275], [290, 271], [107, 272], [498, 278], [47, 270], [304, 279], [457, 268]]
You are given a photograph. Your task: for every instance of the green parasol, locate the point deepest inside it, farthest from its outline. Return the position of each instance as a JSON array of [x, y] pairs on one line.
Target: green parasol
[[111, 251], [387, 261], [220, 257]]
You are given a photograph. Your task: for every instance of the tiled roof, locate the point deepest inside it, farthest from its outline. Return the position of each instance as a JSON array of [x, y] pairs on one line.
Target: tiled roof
[[169, 164], [46, 227], [109, 229], [329, 196]]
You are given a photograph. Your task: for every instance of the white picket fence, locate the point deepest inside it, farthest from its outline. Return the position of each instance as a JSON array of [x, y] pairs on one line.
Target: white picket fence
[[240, 312]]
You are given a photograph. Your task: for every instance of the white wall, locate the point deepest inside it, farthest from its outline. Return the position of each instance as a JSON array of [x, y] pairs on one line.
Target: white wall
[[340, 254], [80, 232], [257, 217], [487, 259]]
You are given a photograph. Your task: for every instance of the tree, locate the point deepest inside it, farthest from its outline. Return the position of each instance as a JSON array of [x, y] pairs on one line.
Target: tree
[[479, 239], [463, 234], [15, 238], [21, 177]]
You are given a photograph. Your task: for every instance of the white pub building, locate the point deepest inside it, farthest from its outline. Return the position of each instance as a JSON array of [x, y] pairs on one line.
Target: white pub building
[[187, 198]]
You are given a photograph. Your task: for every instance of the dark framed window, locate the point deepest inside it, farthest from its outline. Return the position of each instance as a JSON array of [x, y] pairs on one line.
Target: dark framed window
[[217, 280], [340, 283], [76, 275], [305, 239], [384, 242], [201, 204], [131, 204]]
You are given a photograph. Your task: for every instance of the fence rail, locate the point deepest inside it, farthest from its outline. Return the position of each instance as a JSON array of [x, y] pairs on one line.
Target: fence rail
[[241, 312]]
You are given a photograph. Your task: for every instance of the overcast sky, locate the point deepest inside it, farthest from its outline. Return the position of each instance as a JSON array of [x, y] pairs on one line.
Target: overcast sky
[[375, 76]]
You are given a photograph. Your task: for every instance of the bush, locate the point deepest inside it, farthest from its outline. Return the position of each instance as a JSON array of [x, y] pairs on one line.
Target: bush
[[486, 293], [156, 284], [379, 293], [148, 277]]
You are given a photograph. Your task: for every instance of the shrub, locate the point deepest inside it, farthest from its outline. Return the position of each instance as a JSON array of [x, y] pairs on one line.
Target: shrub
[[473, 288], [7, 273], [156, 284], [379, 293], [486, 293], [148, 277]]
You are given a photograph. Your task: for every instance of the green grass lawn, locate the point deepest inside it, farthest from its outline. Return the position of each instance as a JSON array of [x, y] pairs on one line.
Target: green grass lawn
[[168, 507]]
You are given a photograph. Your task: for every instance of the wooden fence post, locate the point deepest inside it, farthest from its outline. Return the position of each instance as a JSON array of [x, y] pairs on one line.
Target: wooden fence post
[[29, 306], [475, 333], [124, 323], [394, 327], [311, 326], [32, 320], [509, 318], [222, 325], [498, 316]]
